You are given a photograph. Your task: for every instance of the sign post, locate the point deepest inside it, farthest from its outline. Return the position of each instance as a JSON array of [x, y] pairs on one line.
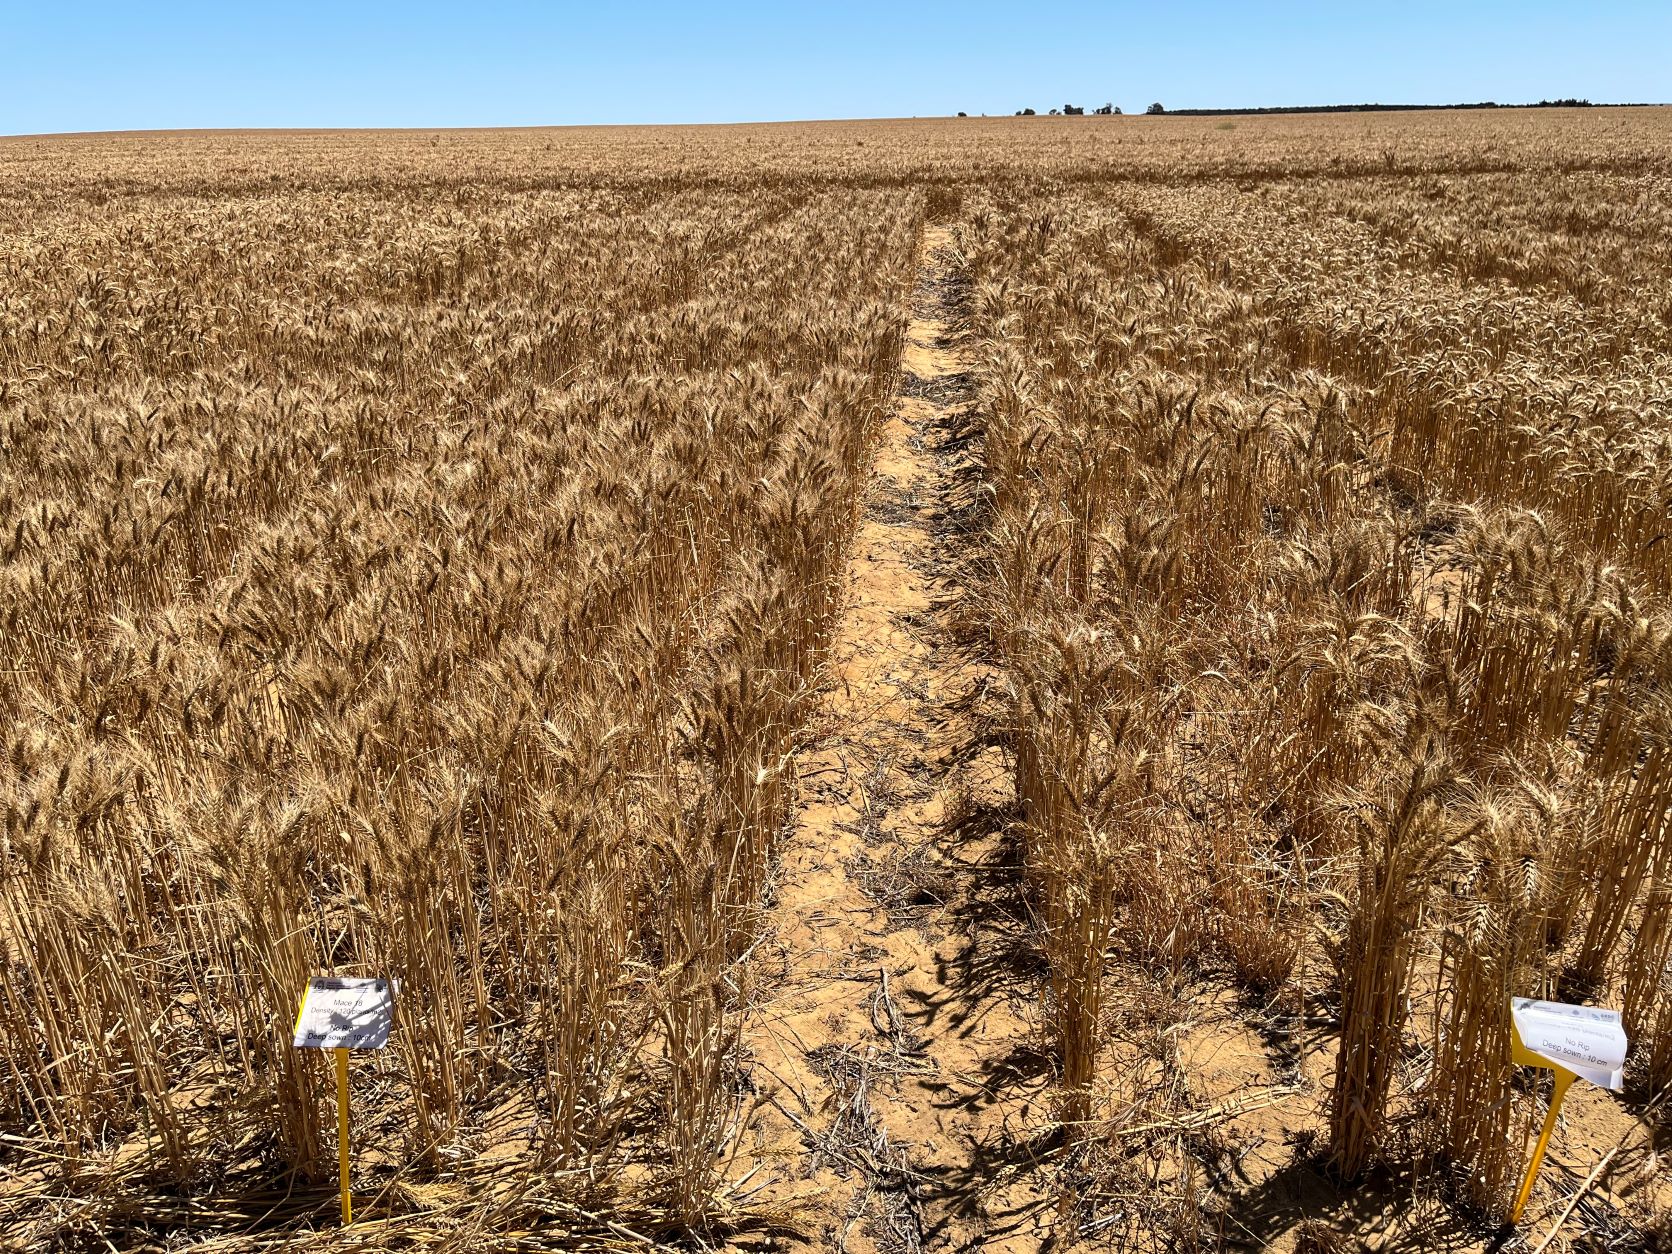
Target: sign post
[[340, 1015], [1576, 1042], [342, 1135]]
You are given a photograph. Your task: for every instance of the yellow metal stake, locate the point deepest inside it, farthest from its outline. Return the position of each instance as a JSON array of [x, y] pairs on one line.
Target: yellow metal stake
[[1525, 1057], [342, 1134], [341, 1013], [1563, 1079]]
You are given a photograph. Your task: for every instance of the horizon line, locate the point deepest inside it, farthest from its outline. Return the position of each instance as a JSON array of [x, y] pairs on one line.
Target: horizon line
[[1185, 111]]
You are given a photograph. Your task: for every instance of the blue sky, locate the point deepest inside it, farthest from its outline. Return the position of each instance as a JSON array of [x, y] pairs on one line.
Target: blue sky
[[103, 66]]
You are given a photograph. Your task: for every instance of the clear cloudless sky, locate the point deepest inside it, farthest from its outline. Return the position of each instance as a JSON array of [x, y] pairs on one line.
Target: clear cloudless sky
[[69, 66]]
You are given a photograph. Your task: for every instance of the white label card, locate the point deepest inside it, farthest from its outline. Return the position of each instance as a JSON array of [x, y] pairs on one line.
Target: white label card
[[1588, 1041], [345, 1014]]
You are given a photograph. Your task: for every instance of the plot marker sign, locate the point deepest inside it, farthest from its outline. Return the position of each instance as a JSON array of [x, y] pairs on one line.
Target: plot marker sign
[[340, 1015], [1576, 1042], [345, 1014]]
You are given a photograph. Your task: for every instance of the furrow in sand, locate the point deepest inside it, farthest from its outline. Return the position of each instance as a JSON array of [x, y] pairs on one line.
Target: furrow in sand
[[892, 1049]]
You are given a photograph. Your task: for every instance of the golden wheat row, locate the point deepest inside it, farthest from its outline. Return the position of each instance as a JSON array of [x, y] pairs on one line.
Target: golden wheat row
[[1328, 592], [422, 585]]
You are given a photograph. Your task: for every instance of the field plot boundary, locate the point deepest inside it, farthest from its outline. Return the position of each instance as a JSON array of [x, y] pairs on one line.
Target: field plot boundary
[[895, 1047]]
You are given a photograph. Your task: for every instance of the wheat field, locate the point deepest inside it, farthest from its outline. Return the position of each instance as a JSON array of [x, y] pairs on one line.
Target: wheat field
[[445, 556]]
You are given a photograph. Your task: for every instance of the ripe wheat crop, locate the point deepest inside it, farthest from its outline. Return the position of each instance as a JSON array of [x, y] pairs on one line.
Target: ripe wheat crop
[[1326, 572], [425, 581], [419, 556]]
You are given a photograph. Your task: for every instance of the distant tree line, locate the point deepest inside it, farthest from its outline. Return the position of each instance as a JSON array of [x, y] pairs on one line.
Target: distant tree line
[[1071, 111], [1565, 103], [1108, 110]]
